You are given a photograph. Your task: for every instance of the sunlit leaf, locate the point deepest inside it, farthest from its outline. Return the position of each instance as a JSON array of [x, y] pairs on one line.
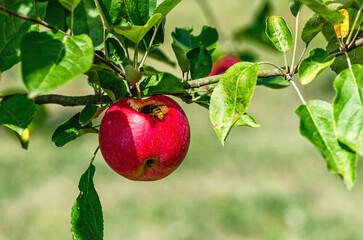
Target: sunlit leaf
[[50, 60], [279, 34], [313, 65], [316, 124], [330, 14], [232, 96], [348, 107], [136, 32], [247, 120]]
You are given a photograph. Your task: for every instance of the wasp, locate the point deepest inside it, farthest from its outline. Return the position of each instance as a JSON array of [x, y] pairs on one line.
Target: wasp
[[153, 110]]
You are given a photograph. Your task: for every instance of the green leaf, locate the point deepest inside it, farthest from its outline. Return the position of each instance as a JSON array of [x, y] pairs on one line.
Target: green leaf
[[12, 30], [312, 27], [138, 11], [295, 7], [135, 32], [87, 216], [87, 22], [313, 65], [67, 131], [316, 124], [330, 14], [116, 52], [17, 112], [279, 34], [207, 38], [340, 63], [56, 15], [110, 10], [232, 96], [163, 83], [114, 86], [141, 11], [132, 74], [87, 114], [183, 61], [200, 62], [329, 33], [277, 82], [70, 130], [69, 4], [247, 120], [348, 107], [50, 60]]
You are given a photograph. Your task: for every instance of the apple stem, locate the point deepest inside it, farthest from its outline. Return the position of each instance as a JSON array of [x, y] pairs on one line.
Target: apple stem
[[138, 90], [94, 155]]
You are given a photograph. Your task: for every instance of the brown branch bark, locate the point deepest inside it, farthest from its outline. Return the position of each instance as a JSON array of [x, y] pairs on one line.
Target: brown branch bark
[[71, 101]]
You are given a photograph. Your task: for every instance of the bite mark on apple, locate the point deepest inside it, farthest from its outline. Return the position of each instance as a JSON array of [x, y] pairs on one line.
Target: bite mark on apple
[[138, 104]]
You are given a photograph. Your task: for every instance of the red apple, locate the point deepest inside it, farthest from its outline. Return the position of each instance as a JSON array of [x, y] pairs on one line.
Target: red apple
[[223, 63], [144, 140]]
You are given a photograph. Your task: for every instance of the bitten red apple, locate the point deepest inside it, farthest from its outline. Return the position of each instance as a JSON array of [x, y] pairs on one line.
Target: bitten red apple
[[144, 140], [223, 63]]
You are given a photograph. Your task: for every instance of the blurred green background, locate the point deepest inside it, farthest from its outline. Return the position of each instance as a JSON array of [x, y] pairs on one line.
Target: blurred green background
[[266, 183]]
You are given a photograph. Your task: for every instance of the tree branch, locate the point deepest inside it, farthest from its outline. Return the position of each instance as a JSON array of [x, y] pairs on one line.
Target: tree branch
[[71, 101], [40, 22], [338, 52]]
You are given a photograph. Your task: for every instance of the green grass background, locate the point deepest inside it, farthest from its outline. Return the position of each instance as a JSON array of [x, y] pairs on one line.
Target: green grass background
[[266, 183]]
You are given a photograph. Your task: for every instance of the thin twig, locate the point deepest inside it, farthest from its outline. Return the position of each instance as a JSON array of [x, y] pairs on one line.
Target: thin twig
[[94, 155], [355, 22], [36, 9], [355, 36], [298, 92], [149, 48]]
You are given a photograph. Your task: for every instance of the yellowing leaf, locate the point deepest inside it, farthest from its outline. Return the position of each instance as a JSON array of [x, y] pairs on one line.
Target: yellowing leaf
[[342, 30]]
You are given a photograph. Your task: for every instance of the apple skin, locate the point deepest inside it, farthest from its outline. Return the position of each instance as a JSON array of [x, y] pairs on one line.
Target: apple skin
[[223, 63], [141, 147]]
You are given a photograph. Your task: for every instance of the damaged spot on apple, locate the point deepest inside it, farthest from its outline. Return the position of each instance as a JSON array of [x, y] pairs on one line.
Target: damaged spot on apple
[[149, 163], [153, 107]]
